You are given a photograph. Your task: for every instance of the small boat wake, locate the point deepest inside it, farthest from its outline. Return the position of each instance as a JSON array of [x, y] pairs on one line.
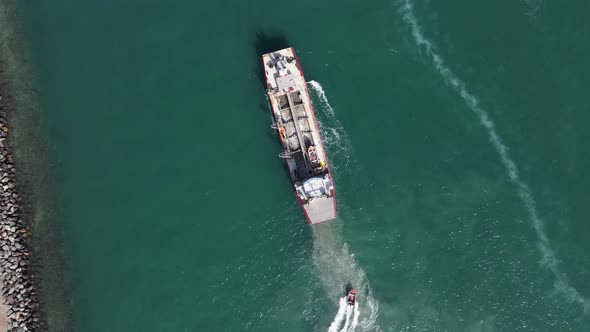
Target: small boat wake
[[335, 264], [349, 314], [355, 319], [339, 316], [548, 256], [337, 267], [334, 137]]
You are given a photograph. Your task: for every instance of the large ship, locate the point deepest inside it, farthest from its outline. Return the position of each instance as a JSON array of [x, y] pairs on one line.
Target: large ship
[[295, 122]]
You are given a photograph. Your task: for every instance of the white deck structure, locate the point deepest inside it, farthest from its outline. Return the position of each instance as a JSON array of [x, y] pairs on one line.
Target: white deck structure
[[300, 135]]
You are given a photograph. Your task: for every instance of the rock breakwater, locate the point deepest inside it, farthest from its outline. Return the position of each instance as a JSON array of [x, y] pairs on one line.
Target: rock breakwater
[[16, 277]]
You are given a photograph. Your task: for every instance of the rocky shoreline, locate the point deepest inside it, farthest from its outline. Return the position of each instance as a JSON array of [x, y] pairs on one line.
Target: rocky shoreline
[[18, 290]]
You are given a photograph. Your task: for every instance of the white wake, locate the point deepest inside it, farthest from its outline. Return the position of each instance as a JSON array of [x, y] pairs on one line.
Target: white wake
[[350, 313], [333, 135], [549, 258], [339, 316], [355, 320], [347, 322], [336, 268]]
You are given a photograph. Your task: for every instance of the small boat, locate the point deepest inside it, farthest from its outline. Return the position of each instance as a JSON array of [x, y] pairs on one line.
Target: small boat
[[351, 297]]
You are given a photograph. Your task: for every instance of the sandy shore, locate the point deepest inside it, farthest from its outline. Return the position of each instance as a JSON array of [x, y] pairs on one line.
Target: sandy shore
[[3, 318]]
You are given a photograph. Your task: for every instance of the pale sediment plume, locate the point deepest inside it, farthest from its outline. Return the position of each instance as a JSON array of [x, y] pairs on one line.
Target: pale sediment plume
[[549, 259]]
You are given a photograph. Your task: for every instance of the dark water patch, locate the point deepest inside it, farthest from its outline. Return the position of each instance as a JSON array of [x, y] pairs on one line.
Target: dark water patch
[[34, 163], [265, 42]]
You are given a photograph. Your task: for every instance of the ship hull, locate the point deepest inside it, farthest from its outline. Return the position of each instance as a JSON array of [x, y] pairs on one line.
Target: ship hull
[[299, 133]]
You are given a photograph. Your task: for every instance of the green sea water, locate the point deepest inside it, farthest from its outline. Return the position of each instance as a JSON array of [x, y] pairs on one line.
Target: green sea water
[[456, 132]]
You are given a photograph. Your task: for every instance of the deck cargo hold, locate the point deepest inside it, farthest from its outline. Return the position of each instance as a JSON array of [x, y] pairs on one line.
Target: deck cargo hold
[[295, 122]]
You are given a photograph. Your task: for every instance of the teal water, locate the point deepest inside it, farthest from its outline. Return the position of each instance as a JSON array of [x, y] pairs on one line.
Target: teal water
[[456, 132]]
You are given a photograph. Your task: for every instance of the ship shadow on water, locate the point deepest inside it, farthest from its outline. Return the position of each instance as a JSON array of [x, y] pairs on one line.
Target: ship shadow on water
[[265, 43]]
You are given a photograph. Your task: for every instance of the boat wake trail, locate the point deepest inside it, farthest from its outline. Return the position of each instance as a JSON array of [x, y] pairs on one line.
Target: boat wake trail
[[337, 268], [348, 315], [355, 319], [532, 8], [339, 316], [549, 258], [351, 313], [334, 137]]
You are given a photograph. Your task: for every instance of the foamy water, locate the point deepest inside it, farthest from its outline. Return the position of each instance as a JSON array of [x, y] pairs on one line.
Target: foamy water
[[334, 136], [347, 321], [355, 319], [339, 316], [337, 267], [549, 259]]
